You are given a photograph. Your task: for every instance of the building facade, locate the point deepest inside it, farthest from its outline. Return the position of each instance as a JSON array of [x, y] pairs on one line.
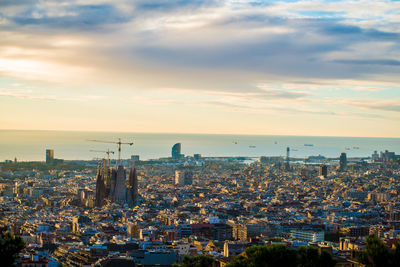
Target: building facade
[[183, 177], [176, 151], [49, 156], [307, 236]]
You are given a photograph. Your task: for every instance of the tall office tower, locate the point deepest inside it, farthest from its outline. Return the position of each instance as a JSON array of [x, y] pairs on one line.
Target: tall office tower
[[49, 156], [176, 151], [342, 161], [120, 186], [183, 177], [132, 190], [100, 186], [323, 170]]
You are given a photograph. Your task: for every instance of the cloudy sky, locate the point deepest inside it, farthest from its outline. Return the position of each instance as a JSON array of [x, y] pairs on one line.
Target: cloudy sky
[[328, 68]]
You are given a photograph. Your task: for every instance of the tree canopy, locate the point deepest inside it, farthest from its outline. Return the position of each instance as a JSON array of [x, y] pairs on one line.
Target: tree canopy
[[376, 254], [280, 255], [203, 260], [10, 246]]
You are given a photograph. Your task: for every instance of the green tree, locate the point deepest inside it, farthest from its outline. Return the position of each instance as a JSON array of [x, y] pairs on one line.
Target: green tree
[[310, 257], [280, 255], [239, 261], [266, 256], [376, 254], [395, 259], [326, 260], [10, 246], [203, 260]]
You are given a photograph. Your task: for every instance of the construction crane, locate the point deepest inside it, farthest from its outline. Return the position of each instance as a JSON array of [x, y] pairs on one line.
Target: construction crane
[[119, 143], [108, 155]]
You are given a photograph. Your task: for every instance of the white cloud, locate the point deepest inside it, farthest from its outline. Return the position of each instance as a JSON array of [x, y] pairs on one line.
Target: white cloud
[[278, 57]]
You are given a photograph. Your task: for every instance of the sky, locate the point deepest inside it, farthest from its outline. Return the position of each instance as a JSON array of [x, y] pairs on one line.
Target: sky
[[319, 68]]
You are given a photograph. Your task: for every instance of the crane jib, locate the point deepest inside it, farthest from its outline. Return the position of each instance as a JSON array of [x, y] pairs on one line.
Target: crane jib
[[119, 143]]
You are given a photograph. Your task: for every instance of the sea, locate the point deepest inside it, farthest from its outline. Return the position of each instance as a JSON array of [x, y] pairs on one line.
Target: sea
[[26, 145]]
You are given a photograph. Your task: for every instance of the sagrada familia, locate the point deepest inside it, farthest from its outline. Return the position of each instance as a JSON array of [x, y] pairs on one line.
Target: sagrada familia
[[112, 185]]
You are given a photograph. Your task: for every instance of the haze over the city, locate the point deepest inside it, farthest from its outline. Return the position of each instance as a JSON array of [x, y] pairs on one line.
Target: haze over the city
[[327, 68]]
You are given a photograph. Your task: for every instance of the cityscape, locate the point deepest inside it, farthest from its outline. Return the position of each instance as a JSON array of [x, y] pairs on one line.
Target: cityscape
[[154, 212], [202, 133]]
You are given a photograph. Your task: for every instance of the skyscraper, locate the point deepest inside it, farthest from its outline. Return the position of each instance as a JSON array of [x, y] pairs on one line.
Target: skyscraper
[[342, 161], [176, 151], [183, 177], [49, 156]]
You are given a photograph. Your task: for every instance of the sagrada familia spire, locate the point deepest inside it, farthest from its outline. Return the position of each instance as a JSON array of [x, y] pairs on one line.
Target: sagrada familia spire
[[112, 184]]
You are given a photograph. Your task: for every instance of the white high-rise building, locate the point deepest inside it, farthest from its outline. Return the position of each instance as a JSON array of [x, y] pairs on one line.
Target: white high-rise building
[[183, 177]]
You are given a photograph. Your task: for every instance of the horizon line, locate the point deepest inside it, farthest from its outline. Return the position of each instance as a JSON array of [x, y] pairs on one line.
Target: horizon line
[[191, 133]]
